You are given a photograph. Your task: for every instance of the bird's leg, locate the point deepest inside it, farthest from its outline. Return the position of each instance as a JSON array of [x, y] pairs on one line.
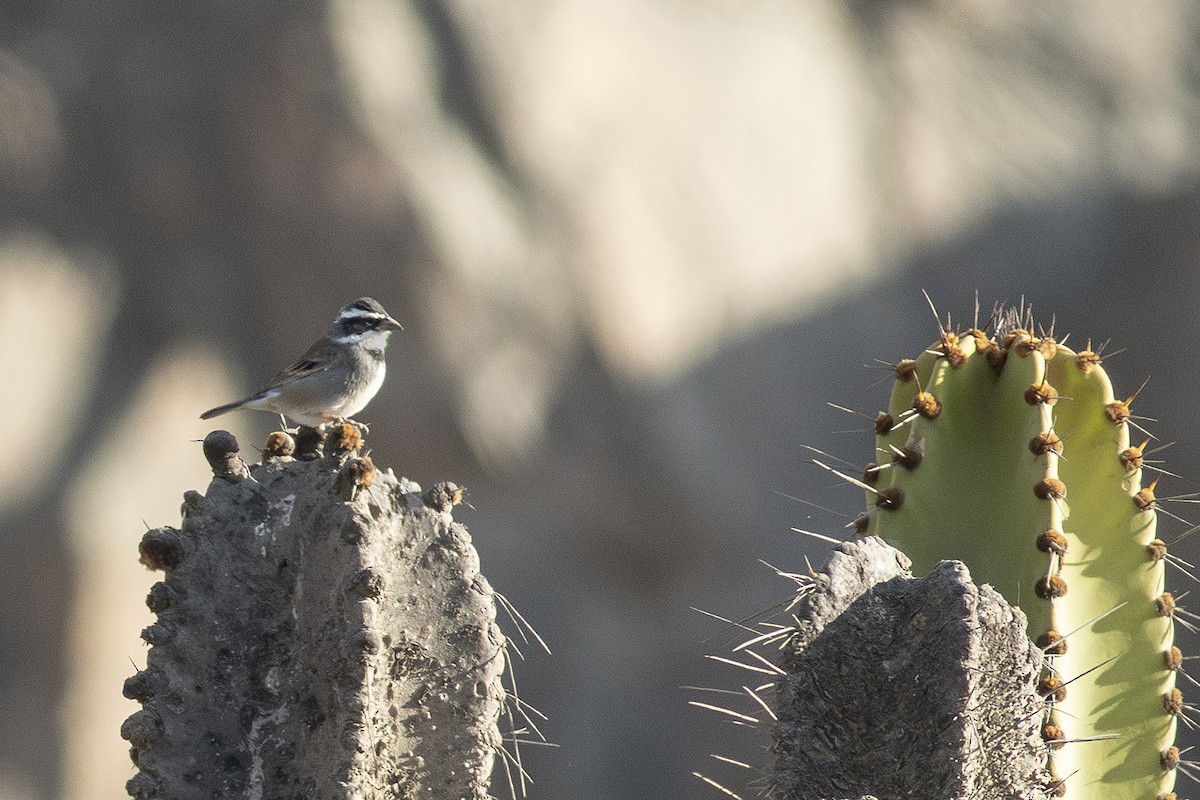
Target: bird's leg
[[286, 429]]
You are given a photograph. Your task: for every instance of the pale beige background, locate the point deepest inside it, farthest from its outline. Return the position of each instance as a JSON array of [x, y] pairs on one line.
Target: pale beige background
[[636, 245]]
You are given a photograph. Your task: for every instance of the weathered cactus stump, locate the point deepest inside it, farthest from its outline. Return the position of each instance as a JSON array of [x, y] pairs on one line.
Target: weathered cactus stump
[[906, 688], [323, 632]]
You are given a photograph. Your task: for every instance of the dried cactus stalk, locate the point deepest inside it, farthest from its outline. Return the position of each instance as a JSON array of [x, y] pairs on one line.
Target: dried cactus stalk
[[1013, 456], [906, 687], [323, 631]]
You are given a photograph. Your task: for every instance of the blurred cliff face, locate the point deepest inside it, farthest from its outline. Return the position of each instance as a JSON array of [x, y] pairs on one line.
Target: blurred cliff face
[[635, 246]]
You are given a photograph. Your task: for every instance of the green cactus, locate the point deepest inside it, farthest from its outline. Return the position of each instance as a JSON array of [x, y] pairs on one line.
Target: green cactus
[[1012, 455]]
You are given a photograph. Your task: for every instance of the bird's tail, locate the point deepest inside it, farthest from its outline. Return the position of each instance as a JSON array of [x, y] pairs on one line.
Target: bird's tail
[[219, 410]]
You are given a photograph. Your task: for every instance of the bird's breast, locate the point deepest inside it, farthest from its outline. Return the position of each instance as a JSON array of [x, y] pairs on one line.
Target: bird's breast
[[365, 383]]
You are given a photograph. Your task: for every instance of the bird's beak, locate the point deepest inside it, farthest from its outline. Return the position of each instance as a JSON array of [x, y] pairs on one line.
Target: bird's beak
[[391, 325]]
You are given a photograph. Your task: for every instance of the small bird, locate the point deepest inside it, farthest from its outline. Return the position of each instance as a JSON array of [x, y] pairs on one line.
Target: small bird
[[338, 375]]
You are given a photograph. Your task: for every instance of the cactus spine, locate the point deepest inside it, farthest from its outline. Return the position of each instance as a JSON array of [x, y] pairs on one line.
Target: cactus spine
[[1012, 455]]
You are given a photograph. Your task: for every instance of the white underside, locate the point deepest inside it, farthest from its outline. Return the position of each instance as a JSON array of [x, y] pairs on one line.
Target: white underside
[[318, 415]]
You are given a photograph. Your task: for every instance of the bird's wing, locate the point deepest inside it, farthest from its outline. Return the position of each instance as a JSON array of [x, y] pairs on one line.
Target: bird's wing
[[318, 358]]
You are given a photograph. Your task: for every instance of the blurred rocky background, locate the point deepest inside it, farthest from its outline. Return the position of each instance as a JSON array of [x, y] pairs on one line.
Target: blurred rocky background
[[636, 246]]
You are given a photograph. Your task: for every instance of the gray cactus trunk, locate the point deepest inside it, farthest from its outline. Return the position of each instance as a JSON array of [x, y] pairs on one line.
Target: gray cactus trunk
[[323, 632], [907, 688]]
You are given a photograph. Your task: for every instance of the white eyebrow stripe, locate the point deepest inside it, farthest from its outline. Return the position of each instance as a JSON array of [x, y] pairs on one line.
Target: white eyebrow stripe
[[358, 313]]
